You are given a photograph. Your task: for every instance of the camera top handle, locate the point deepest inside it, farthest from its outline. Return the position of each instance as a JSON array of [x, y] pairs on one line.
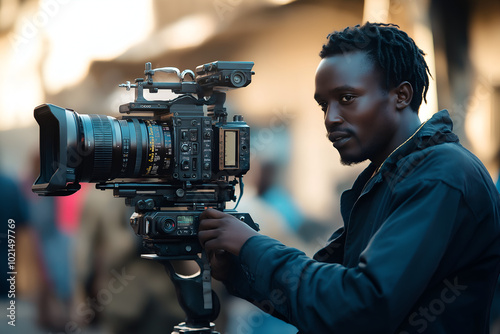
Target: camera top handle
[[209, 84]]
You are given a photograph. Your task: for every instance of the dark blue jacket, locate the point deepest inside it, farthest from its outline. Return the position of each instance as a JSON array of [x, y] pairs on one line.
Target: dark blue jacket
[[419, 251]]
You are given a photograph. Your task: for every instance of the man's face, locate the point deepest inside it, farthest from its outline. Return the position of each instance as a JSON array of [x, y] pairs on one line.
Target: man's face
[[360, 117]]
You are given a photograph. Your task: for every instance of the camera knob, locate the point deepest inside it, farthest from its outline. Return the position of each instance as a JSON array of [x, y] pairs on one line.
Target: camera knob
[[146, 204], [185, 164]]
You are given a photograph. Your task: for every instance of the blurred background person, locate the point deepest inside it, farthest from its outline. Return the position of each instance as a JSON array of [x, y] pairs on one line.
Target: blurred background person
[[118, 291], [54, 221], [17, 259]]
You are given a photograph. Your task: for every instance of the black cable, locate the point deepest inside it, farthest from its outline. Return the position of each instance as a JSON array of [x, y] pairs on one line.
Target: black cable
[[240, 180]]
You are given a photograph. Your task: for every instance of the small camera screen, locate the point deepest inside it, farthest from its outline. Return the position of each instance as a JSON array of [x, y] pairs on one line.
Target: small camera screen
[[230, 149], [184, 221]]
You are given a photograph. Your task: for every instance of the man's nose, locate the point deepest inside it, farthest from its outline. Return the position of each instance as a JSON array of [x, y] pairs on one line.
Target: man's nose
[[332, 116]]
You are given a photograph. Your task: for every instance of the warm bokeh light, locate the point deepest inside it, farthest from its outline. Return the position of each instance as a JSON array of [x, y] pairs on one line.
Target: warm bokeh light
[[186, 32], [376, 10], [280, 2], [53, 45], [423, 38], [81, 34], [19, 75]]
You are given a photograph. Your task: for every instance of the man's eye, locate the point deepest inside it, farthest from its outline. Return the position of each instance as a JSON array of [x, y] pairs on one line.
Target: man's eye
[[347, 98]]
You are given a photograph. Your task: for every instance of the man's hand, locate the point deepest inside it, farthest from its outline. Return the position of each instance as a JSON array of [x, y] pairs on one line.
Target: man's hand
[[221, 231], [222, 264], [222, 235]]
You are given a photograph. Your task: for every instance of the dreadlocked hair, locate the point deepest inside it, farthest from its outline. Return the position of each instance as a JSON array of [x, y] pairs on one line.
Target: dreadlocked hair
[[391, 49]]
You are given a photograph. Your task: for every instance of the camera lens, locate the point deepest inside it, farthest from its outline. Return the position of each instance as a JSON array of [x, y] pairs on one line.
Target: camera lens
[[97, 142], [123, 148], [96, 148]]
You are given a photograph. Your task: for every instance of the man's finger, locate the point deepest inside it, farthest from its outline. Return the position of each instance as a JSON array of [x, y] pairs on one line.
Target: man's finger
[[212, 213], [220, 253], [212, 245], [206, 235], [209, 224]]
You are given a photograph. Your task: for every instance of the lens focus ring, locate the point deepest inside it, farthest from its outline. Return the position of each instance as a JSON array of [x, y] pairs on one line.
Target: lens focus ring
[[103, 149]]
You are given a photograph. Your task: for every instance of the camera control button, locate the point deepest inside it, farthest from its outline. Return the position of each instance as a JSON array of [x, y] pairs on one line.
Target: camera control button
[[193, 134]]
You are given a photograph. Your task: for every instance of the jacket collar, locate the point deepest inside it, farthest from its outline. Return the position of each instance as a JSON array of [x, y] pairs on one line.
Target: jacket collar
[[437, 130]]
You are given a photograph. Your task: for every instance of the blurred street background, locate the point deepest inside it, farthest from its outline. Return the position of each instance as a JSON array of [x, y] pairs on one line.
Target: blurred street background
[[77, 259]]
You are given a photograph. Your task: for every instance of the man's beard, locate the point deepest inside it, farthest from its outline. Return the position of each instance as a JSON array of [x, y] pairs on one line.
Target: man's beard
[[351, 162], [346, 162], [365, 153]]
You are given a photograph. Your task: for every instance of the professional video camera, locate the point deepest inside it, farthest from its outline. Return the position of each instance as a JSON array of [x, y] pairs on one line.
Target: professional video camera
[[170, 159]]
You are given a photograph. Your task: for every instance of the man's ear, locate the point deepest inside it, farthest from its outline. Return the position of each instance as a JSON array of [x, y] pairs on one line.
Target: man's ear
[[404, 95]]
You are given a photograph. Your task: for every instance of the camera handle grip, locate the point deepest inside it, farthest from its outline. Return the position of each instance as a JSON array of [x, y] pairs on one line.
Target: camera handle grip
[[194, 293]]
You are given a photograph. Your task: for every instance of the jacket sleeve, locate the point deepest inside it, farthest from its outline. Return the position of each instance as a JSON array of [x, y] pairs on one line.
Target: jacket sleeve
[[377, 294]]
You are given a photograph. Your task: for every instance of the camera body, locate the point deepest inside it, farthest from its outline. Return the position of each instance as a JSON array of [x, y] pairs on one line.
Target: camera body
[[203, 150], [170, 159]]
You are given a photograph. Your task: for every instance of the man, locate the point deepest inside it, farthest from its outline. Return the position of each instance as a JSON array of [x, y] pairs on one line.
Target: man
[[420, 248]]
